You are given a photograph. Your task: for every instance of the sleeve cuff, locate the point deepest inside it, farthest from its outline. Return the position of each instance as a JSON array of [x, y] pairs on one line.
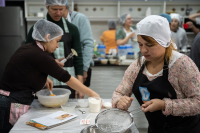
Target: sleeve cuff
[[168, 107], [85, 68]]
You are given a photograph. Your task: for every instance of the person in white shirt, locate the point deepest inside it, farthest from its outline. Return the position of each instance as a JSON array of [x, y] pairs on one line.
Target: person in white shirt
[[178, 34]]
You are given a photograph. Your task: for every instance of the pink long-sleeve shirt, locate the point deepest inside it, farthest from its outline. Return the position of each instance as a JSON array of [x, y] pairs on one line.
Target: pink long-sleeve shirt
[[183, 75]]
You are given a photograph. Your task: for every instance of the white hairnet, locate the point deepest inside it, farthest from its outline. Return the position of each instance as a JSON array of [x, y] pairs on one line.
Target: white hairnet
[[156, 27], [43, 27], [176, 16], [122, 18], [55, 2], [112, 24]]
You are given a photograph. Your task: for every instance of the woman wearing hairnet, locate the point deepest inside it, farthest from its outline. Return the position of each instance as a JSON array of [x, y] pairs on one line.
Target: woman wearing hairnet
[[108, 37], [126, 34], [160, 80], [27, 71], [178, 34]]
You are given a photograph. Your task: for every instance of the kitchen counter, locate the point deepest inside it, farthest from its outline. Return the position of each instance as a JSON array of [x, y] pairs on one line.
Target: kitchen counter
[[37, 110]]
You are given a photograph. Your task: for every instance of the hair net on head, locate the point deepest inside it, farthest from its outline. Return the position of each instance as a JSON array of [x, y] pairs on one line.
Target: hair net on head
[[55, 2], [122, 18], [176, 16], [43, 27], [167, 16], [112, 24], [156, 27]]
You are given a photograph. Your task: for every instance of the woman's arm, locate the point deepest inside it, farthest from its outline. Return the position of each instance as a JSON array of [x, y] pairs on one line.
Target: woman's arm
[[125, 87], [188, 90], [125, 40], [78, 86], [194, 16]]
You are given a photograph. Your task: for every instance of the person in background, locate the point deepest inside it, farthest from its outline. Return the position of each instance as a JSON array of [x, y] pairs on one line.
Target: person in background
[[168, 17], [178, 34], [70, 40], [165, 82], [108, 37], [126, 34], [195, 50], [27, 71], [195, 18], [86, 40]]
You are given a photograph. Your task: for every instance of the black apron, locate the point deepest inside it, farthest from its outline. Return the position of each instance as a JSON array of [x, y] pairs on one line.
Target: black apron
[[161, 88], [66, 39]]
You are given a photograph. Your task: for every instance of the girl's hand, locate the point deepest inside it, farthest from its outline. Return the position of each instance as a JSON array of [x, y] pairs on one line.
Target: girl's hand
[[49, 84], [153, 105], [124, 103]]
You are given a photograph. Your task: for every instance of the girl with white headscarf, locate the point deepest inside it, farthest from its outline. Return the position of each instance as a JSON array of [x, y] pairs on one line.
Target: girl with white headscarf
[[160, 80], [178, 34]]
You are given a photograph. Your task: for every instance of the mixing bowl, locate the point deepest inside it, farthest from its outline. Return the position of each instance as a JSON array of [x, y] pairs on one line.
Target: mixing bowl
[[62, 96]]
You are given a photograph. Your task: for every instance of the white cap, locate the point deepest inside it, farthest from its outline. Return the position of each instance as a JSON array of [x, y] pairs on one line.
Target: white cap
[[176, 16], [156, 27], [55, 2], [43, 27]]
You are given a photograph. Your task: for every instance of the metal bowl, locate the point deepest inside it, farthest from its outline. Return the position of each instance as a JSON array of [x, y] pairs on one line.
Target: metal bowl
[[94, 129]]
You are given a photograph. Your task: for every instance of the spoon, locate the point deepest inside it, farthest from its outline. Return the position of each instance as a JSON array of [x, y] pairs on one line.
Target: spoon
[[51, 93], [83, 112]]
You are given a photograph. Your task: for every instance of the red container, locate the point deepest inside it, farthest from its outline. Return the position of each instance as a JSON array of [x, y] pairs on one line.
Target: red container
[[185, 26]]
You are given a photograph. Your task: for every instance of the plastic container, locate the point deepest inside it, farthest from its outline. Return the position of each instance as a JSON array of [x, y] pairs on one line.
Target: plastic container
[[95, 104], [121, 50], [69, 106], [101, 49], [104, 61], [62, 96], [83, 103], [130, 55], [129, 48]]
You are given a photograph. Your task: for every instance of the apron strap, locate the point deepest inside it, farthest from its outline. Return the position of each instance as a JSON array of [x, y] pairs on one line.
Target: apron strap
[[165, 77]]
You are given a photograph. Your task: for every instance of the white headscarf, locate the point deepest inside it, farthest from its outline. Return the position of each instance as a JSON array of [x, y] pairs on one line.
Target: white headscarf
[[176, 16], [156, 27]]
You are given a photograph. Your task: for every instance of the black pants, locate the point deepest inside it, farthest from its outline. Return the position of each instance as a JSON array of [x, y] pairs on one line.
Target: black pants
[[5, 125], [88, 79]]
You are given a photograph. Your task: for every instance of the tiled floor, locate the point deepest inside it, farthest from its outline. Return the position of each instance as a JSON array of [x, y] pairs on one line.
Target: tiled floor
[[105, 80]]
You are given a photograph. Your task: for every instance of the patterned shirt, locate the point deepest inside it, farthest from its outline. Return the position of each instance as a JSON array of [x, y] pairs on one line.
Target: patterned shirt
[[183, 75]]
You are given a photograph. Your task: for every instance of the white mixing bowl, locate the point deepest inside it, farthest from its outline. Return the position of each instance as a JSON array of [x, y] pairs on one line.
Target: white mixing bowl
[[62, 96]]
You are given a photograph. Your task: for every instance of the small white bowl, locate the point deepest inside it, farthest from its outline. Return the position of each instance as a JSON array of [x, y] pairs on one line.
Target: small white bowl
[[112, 61], [104, 61], [68, 106], [83, 103], [107, 105]]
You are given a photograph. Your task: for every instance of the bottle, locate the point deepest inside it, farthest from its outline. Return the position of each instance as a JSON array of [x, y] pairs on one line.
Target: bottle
[[187, 11]]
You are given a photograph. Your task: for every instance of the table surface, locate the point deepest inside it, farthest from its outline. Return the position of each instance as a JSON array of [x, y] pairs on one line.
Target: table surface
[[37, 110]]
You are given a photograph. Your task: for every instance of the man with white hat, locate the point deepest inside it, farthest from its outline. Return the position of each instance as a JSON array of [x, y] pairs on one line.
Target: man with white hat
[[83, 24], [70, 40], [160, 80], [178, 34]]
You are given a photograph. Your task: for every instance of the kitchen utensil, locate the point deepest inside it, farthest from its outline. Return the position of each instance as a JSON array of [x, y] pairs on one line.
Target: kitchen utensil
[[83, 112], [94, 129], [68, 106], [70, 55], [51, 93], [115, 120], [62, 96]]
